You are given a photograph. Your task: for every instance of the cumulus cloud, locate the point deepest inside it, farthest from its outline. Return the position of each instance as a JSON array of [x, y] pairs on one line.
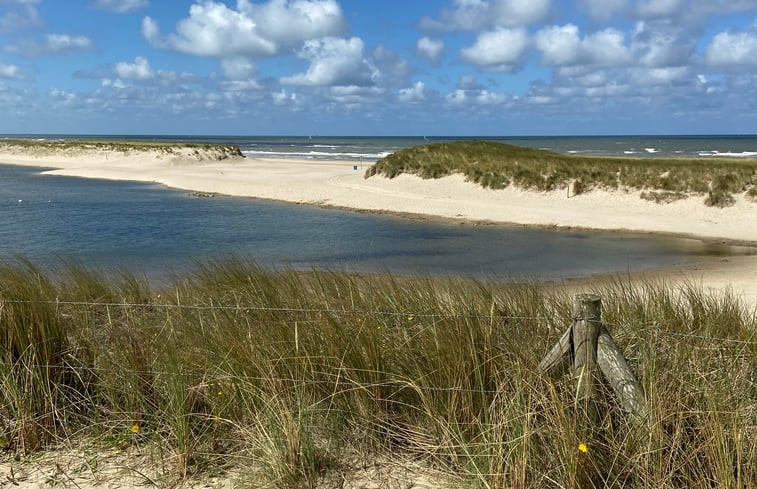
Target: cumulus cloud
[[414, 94], [563, 45], [121, 6], [139, 70], [253, 30], [732, 48], [238, 68], [387, 68], [474, 15], [333, 62], [661, 44], [10, 72], [431, 49], [20, 15], [500, 50], [55, 44]]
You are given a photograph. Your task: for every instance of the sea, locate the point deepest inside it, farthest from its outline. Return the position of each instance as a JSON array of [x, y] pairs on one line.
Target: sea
[[164, 233]]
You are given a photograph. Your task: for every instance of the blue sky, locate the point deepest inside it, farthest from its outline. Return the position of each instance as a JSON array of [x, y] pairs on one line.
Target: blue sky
[[378, 67]]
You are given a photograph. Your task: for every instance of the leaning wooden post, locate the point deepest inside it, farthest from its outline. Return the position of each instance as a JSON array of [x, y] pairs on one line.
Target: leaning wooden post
[[615, 369], [587, 311]]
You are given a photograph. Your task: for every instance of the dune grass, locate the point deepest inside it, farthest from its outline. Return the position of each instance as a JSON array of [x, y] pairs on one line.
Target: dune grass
[[74, 146], [496, 166], [292, 377]]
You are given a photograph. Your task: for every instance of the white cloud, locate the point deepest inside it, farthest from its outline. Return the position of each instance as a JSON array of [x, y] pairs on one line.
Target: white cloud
[[354, 94], [659, 8], [238, 68], [139, 70], [21, 14], [63, 43], [333, 62], [55, 44], [732, 49], [562, 45], [121, 6], [500, 50], [430, 49], [458, 97], [474, 15], [387, 68], [485, 97], [285, 98], [661, 44], [604, 9], [414, 94], [10, 72], [253, 30], [240, 85]]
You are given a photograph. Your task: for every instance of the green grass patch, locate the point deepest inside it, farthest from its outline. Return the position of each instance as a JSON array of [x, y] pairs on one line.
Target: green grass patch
[[289, 376], [71, 146], [496, 165]]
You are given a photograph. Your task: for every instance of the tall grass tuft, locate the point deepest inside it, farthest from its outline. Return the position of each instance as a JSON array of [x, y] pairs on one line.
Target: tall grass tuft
[[295, 378]]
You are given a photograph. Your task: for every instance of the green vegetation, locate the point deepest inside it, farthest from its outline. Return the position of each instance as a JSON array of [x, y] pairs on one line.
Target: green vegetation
[[69, 146], [496, 165], [296, 378]]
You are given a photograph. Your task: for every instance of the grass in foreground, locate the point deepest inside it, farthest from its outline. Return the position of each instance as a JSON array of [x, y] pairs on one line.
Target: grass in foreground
[[496, 165], [292, 377]]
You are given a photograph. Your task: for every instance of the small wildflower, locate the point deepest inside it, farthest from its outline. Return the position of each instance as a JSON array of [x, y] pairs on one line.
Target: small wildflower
[[583, 448], [158, 296], [378, 328], [220, 393], [410, 318], [135, 428]]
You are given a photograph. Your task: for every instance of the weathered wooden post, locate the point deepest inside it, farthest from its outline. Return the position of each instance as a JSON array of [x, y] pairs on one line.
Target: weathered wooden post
[[588, 347], [615, 369], [587, 312]]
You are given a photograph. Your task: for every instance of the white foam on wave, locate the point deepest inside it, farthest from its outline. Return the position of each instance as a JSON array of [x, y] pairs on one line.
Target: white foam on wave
[[728, 154], [651, 150], [629, 152]]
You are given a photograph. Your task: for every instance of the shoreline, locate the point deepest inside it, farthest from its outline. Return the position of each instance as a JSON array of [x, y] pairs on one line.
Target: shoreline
[[337, 185]]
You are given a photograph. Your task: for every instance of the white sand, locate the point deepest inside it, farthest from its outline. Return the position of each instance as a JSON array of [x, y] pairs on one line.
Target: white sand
[[336, 183]]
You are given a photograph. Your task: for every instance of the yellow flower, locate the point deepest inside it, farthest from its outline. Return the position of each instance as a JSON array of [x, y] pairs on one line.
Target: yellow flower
[[583, 448], [220, 393], [135, 428], [410, 318]]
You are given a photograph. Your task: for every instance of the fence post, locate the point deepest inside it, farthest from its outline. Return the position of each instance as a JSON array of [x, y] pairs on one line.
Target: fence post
[[589, 348], [615, 369], [587, 311]]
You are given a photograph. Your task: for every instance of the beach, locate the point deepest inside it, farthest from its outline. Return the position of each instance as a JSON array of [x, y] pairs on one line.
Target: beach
[[341, 184]]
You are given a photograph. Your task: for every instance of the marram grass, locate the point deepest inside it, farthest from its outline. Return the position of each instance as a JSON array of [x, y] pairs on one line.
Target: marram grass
[[288, 376], [496, 166]]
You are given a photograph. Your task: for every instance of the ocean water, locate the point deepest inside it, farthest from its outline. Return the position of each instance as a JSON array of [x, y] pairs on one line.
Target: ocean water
[[161, 232], [370, 149]]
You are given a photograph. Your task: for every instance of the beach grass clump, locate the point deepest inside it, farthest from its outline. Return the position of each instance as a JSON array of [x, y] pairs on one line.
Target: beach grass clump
[[496, 165], [296, 379]]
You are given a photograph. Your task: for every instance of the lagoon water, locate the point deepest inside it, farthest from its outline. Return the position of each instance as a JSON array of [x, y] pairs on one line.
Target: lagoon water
[[162, 232]]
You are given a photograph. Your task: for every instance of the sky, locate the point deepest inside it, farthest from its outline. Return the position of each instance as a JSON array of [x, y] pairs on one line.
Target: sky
[[378, 67]]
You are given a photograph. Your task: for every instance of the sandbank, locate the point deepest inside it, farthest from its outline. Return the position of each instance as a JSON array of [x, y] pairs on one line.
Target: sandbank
[[342, 184]]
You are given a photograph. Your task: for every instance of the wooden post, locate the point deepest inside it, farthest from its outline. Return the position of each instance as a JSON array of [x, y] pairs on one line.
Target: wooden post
[[587, 310], [559, 355], [615, 369]]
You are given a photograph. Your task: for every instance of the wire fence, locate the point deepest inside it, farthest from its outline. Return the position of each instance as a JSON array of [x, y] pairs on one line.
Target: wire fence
[[247, 308]]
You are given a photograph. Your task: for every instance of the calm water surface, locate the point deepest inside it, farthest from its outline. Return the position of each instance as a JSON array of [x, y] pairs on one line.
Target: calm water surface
[[159, 231]]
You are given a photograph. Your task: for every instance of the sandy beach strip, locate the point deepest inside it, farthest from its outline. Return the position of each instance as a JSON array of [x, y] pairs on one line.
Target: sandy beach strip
[[340, 184]]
